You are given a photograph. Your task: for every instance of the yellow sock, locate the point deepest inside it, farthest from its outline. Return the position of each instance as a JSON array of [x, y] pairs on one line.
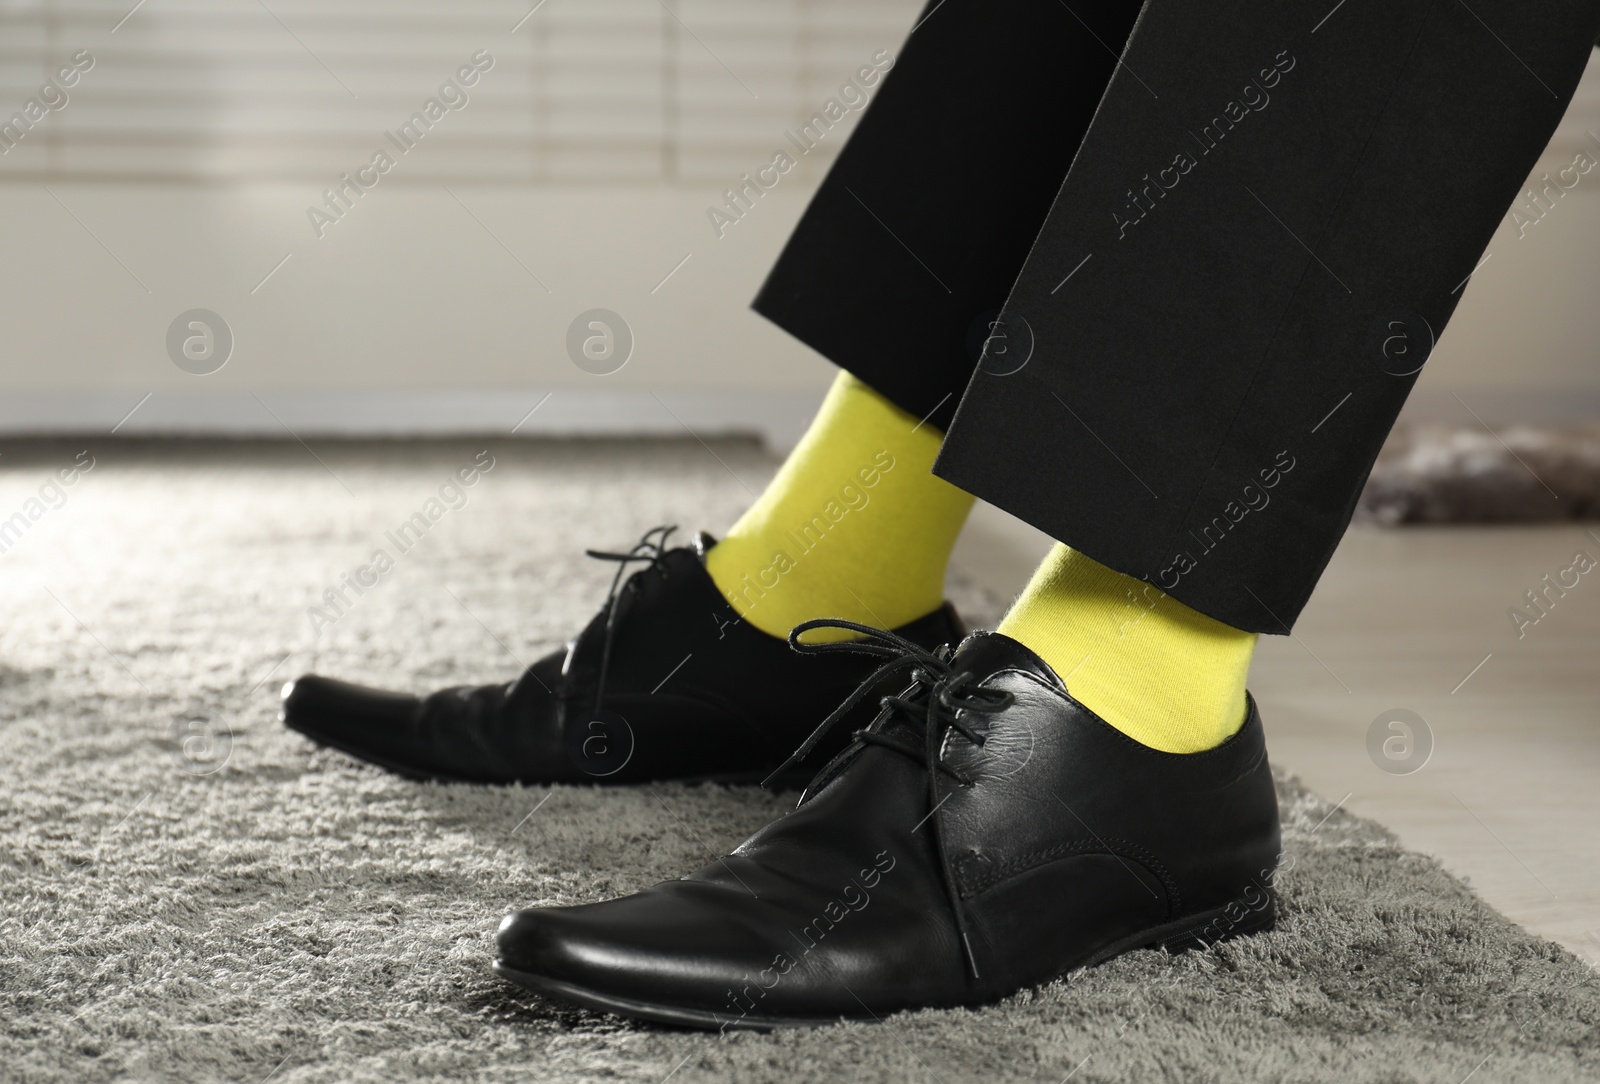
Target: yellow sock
[[1163, 674], [853, 525]]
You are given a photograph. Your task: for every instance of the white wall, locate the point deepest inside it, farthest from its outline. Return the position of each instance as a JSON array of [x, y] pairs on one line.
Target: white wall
[[1525, 341], [407, 306]]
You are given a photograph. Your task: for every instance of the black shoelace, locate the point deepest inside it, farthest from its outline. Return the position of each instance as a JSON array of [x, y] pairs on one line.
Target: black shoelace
[[652, 547], [935, 701]]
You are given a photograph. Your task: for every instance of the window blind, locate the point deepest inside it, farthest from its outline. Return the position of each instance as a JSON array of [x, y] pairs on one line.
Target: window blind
[[579, 90]]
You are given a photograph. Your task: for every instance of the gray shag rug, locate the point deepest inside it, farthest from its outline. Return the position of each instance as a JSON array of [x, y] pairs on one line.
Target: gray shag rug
[[1520, 474], [190, 893]]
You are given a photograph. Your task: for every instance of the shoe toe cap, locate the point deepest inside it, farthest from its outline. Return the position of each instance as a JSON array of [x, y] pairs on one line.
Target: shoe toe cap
[[524, 940], [312, 699], [656, 945], [344, 714], [556, 943]]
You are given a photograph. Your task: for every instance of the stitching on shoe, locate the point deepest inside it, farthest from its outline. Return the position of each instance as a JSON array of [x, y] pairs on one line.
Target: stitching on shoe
[[1025, 863]]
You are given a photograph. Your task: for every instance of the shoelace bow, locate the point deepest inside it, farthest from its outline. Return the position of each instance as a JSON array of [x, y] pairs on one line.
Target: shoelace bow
[[936, 699], [652, 547]]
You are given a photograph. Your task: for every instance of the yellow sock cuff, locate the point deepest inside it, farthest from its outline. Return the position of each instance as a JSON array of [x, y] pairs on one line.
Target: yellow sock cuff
[[1162, 673], [853, 525]]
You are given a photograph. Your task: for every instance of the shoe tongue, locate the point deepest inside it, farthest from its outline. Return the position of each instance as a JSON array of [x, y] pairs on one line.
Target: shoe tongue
[[984, 653]]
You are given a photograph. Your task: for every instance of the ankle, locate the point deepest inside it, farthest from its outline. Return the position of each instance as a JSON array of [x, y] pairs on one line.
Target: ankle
[[1160, 672], [853, 526]]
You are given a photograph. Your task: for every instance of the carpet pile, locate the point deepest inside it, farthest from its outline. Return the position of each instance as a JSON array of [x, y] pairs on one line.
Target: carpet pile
[[190, 893]]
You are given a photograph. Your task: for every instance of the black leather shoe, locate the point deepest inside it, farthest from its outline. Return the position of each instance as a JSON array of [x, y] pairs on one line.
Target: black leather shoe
[[666, 682], [985, 833]]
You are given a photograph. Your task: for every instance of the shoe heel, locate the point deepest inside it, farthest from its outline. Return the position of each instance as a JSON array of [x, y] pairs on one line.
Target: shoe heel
[[1255, 912]]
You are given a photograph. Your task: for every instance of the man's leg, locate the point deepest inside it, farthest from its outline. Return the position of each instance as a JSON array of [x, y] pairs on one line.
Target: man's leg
[[1245, 269], [1229, 303], [916, 236], [900, 262]]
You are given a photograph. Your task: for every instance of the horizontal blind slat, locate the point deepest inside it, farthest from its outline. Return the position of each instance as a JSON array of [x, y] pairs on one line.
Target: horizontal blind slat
[[584, 89]]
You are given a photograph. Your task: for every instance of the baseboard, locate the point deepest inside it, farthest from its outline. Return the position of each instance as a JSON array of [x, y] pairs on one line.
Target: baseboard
[[1498, 405], [776, 417]]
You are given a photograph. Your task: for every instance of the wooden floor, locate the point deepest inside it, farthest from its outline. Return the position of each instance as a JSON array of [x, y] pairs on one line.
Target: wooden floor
[[1416, 619]]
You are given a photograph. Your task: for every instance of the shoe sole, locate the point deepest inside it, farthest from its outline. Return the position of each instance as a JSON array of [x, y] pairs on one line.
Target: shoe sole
[[1199, 931], [787, 781]]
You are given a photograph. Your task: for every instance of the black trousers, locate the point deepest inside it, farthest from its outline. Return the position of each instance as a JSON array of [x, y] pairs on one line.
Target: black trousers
[[1224, 236]]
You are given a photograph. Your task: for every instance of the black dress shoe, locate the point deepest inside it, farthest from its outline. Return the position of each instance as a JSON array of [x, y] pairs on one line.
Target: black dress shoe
[[985, 833], [665, 683]]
